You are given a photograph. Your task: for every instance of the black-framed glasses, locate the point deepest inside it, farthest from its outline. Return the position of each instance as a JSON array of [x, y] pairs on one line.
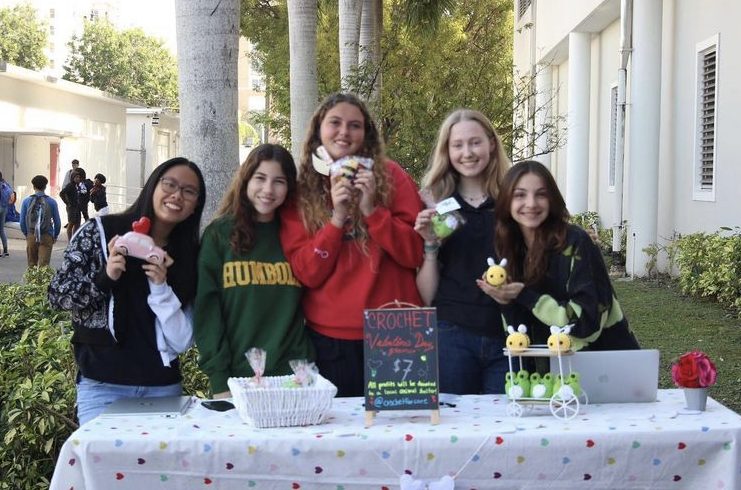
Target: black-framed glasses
[[171, 186]]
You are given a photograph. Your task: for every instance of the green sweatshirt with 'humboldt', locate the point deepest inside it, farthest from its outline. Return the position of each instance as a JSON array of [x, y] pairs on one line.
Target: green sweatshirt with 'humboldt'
[[246, 301]]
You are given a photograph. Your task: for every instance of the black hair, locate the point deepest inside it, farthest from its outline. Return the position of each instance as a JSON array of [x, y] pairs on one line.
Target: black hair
[[39, 182], [100, 178], [184, 240]]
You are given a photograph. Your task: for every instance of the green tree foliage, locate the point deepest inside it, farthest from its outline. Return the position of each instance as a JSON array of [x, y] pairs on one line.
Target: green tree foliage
[[127, 63], [22, 37], [37, 386], [465, 62], [463, 59]]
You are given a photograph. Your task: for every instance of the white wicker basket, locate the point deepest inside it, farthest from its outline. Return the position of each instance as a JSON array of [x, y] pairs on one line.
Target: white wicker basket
[[276, 406]]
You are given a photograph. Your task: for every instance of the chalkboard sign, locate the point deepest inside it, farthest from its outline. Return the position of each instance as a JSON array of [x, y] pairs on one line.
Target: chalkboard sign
[[400, 359]]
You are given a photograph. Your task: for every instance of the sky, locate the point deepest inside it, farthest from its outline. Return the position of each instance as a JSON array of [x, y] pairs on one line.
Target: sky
[[155, 17]]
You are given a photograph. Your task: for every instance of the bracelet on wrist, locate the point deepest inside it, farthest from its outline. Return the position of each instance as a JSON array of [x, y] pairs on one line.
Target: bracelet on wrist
[[431, 247]]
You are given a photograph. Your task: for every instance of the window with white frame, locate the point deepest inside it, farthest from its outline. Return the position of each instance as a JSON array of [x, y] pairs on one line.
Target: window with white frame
[[704, 161], [613, 138]]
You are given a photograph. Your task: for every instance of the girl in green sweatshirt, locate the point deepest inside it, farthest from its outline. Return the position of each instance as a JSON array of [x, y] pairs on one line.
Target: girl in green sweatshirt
[[247, 294]]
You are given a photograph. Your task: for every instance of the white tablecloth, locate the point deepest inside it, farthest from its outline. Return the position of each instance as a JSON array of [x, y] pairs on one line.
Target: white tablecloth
[[630, 446]]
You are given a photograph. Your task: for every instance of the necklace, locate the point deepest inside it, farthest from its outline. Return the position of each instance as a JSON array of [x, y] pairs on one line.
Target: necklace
[[475, 200]]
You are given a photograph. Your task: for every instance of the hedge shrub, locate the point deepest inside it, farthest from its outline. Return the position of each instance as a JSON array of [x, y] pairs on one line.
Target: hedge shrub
[[710, 266], [37, 386]]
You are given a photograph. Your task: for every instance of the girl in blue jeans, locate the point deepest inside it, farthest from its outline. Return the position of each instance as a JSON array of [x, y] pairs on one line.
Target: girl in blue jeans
[[131, 317], [468, 164]]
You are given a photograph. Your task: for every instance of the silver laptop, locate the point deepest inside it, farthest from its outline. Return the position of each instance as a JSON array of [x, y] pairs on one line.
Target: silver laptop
[[163, 406], [616, 376]]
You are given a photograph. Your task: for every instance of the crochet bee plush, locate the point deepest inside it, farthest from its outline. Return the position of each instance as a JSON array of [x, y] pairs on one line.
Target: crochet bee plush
[[559, 340], [517, 341], [496, 275]]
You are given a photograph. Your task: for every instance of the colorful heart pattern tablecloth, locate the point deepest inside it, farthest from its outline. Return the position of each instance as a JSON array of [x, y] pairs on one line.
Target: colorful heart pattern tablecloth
[[613, 446]]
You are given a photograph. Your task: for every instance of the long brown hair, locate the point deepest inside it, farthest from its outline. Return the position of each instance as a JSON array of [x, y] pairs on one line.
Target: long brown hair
[[441, 178], [523, 264], [314, 199], [235, 201]]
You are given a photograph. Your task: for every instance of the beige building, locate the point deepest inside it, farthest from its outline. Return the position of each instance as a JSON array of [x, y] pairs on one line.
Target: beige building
[[647, 93]]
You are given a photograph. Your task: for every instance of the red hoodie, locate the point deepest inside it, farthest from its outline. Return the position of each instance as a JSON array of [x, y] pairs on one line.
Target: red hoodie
[[341, 281]]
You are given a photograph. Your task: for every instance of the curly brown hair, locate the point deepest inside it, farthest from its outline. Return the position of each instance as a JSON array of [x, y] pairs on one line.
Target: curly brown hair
[[523, 264], [235, 201], [314, 199]]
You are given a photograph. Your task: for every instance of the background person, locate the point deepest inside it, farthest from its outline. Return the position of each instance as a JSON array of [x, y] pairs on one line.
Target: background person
[[132, 318], [40, 223], [557, 273], [68, 176], [71, 197], [98, 195], [83, 193], [351, 242], [468, 163], [247, 294], [6, 193]]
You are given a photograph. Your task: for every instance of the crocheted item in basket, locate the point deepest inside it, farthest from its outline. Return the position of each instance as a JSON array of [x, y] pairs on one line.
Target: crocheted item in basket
[[278, 406]]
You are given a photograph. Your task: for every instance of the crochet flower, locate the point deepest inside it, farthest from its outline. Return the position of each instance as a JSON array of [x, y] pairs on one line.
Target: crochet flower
[[694, 370]]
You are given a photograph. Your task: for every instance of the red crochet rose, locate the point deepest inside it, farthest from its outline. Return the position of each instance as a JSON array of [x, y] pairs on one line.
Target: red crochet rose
[[694, 370]]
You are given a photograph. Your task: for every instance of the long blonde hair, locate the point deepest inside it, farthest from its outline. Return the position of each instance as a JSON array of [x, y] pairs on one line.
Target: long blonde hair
[[441, 178], [314, 199]]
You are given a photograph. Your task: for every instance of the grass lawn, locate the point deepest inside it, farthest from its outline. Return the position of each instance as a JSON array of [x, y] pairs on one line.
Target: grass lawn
[[664, 319]]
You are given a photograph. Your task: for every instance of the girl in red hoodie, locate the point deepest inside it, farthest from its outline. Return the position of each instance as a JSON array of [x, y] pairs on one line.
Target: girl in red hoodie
[[349, 237]]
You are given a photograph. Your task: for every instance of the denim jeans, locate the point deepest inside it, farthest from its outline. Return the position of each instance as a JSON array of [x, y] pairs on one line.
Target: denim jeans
[[3, 237], [469, 363], [93, 396]]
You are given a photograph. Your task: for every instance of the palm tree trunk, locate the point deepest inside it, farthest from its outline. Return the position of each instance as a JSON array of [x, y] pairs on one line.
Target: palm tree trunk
[[207, 38], [371, 29], [349, 20], [302, 19]]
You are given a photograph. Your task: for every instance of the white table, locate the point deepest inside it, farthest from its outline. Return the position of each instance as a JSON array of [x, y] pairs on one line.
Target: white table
[[606, 446]]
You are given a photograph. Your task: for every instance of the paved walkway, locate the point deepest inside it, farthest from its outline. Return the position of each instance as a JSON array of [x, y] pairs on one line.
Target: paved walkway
[[14, 265]]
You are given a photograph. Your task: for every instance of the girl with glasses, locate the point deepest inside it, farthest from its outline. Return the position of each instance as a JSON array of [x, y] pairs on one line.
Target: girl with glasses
[[247, 294], [132, 318]]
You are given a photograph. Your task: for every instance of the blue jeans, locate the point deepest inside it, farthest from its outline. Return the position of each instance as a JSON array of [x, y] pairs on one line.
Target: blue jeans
[[469, 364], [3, 236], [93, 396]]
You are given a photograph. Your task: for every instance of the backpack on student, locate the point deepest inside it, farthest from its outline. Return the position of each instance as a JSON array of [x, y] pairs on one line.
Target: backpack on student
[[38, 218], [6, 193]]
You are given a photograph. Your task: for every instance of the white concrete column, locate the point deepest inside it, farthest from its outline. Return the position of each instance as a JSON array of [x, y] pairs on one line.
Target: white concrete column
[[643, 136], [577, 156], [544, 111]]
